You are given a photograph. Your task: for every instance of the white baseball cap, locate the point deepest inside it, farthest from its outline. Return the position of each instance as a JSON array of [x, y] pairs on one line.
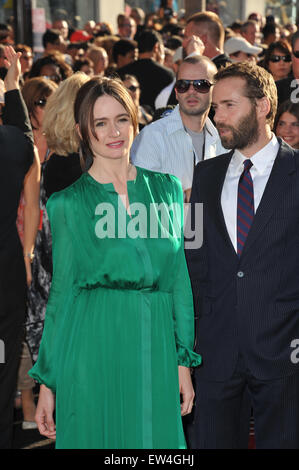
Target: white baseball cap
[[236, 44]]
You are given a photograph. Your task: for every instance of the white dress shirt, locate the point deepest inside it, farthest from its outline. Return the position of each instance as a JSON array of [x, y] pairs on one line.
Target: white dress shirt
[[260, 171]]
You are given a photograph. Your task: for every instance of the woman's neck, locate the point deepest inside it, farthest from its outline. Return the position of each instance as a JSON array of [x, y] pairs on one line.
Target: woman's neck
[[112, 171]]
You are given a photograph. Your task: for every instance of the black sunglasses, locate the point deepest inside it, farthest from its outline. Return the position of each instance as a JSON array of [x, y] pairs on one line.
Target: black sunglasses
[[201, 85], [278, 58], [42, 102], [296, 54]]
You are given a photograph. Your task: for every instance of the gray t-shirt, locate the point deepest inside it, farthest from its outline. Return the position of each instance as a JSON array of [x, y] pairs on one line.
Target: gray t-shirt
[[198, 143]]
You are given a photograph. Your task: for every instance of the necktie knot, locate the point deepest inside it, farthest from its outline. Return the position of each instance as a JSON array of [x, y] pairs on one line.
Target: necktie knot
[[247, 165]]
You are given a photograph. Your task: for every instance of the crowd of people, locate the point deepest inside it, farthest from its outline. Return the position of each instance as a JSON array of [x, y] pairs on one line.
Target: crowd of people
[[104, 323]]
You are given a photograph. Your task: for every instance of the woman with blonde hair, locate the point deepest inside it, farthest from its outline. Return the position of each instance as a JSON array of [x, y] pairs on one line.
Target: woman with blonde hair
[[63, 166]]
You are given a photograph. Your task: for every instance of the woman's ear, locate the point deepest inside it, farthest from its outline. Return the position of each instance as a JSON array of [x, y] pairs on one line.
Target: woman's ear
[[78, 131]]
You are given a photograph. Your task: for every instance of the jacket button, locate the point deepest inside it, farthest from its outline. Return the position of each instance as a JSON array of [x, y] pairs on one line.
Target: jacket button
[[240, 274]]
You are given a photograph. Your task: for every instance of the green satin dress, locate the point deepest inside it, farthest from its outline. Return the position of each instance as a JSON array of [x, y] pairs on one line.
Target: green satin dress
[[120, 316]]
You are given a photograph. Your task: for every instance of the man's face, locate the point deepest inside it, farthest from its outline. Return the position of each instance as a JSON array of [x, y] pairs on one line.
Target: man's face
[[252, 33], [26, 61], [128, 58], [63, 28], [58, 45], [235, 115], [241, 56], [128, 28], [295, 61], [193, 103]]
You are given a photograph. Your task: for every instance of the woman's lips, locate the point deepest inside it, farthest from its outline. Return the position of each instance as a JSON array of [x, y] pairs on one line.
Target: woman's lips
[[116, 145]]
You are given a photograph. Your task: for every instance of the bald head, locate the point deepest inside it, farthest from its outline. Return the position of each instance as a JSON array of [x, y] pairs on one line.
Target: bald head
[[202, 63]]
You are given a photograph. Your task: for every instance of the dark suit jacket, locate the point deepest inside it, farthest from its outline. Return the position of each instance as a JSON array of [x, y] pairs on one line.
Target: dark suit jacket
[[284, 89], [248, 305], [151, 76]]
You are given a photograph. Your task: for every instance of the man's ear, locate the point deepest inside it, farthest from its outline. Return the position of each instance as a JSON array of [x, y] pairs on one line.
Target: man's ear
[[263, 106], [204, 38], [156, 49]]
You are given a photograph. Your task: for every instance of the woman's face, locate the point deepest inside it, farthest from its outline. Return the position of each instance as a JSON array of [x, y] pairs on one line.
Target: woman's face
[[114, 130], [39, 105], [288, 129], [134, 89], [277, 66], [52, 72], [87, 69]]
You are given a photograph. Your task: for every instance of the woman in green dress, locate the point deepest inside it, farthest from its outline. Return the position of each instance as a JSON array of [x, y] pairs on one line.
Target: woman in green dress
[[117, 345]]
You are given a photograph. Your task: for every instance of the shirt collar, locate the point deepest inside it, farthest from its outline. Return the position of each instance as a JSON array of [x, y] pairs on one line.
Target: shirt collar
[[261, 160], [174, 123]]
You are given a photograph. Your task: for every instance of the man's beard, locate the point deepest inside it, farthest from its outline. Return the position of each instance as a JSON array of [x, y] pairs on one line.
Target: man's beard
[[244, 135]]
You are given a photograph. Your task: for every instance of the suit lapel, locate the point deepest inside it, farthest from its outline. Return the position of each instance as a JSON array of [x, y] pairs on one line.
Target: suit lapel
[[214, 196], [278, 183]]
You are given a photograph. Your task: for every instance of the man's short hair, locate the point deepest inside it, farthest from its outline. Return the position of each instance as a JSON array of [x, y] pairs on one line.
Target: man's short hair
[[120, 19], [202, 60], [214, 26], [259, 84], [122, 47], [246, 24], [51, 36], [269, 29], [147, 40]]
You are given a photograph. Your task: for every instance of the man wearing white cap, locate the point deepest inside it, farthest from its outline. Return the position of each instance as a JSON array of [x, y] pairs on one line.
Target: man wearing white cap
[[240, 50]]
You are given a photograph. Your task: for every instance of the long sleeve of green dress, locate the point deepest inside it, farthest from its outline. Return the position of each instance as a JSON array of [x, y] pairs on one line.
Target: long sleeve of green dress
[[61, 295], [183, 301], [120, 316]]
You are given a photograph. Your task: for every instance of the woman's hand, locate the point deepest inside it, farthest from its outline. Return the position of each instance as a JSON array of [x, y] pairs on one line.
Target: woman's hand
[[186, 390], [12, 62], [44, 413]]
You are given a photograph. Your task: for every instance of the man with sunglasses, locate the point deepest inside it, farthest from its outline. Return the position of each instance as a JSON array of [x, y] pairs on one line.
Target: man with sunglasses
[[245, 274], [177, 142], [288, 88]]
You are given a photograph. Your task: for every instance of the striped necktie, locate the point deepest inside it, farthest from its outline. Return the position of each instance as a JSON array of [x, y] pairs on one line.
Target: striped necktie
[[245, 211]]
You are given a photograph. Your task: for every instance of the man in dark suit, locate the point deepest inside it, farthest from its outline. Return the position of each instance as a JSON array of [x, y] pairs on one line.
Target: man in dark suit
[[151, 76], [245, 276]]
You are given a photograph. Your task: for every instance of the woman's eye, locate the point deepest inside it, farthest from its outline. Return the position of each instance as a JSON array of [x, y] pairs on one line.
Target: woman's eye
[[100, 124]]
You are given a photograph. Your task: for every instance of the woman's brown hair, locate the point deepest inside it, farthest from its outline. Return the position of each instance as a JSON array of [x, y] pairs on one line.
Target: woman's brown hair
[[84, 106], [35, 90]]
